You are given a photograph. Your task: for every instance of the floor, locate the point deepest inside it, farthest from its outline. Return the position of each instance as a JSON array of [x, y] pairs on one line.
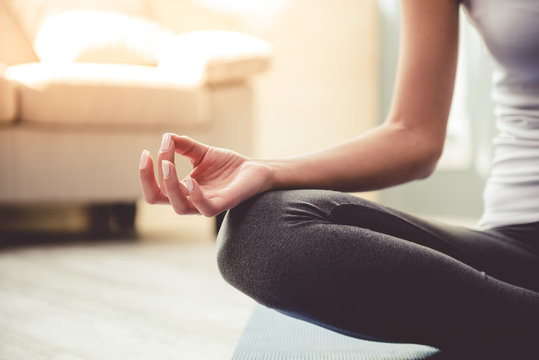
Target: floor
[[158, 297]]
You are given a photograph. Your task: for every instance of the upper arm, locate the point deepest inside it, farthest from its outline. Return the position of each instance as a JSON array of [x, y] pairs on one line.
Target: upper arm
[[426, 69]]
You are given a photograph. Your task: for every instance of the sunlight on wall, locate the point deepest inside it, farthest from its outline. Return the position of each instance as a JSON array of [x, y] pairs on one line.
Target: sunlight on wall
[[458, 150], [322, 87], [244, 6], [252, 13]]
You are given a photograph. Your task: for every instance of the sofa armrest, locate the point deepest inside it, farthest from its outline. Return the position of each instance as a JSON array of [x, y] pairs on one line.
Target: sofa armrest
[[8, 104], [213, 57]]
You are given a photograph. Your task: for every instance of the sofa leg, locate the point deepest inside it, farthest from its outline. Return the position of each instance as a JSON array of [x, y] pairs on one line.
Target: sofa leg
[[124, 217], [107, 220]]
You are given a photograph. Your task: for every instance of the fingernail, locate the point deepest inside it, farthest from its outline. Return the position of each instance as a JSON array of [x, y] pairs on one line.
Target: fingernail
[[144, 158], [165, 143], [166, 168], [189, 183]]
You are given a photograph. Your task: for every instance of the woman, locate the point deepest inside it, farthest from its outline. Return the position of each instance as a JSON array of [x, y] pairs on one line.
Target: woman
[[294, 241]]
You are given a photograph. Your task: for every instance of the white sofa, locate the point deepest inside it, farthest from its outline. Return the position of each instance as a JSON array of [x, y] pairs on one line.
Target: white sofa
[[85, 85]]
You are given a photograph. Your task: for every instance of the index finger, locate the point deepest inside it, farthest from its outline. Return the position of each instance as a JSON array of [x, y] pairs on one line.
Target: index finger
[[190, 148]]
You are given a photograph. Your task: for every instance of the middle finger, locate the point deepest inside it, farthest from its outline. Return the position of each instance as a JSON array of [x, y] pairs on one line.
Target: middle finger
[[166, 152]]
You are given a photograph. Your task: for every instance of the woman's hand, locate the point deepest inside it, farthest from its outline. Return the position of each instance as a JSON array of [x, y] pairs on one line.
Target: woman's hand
[[220, 180]]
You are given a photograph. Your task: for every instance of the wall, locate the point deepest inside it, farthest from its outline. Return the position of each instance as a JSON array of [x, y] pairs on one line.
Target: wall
[[323, 87]]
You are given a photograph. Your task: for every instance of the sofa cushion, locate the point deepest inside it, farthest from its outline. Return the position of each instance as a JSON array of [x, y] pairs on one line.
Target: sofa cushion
[[107, 31], [121, 39], [105, 94], [214, 56]]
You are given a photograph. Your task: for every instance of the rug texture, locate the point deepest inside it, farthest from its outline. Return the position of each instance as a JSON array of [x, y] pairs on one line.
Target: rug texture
[[270, 335]]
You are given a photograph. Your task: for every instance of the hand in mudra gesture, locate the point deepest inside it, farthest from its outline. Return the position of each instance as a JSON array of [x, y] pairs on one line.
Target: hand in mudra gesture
[[220, 179]]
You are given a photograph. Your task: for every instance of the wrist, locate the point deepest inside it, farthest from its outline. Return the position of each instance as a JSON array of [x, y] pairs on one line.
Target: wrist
[[276, 174]]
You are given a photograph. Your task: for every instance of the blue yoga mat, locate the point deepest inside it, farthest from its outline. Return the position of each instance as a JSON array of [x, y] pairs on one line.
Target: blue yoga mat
[[270, 335]]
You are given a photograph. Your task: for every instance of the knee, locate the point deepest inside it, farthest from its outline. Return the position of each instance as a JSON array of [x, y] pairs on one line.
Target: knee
[[260, 247], [248, 246]]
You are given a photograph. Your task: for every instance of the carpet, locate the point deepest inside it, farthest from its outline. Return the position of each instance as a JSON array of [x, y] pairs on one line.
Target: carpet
[[270, 335]]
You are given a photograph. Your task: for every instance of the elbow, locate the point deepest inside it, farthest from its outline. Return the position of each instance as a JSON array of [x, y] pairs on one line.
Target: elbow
[[428, 160], [420, 148]]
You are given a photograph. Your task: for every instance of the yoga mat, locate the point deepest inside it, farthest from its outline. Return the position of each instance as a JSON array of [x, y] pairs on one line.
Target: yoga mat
[[270, 335]]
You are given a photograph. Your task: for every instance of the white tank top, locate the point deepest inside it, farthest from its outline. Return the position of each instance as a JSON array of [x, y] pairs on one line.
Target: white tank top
[[510, 30]]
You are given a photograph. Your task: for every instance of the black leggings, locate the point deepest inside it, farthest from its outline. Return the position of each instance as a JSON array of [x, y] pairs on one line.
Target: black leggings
[[372, 272]]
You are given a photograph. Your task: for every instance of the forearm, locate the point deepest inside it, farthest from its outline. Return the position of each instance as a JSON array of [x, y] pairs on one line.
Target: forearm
[[384, 156]]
